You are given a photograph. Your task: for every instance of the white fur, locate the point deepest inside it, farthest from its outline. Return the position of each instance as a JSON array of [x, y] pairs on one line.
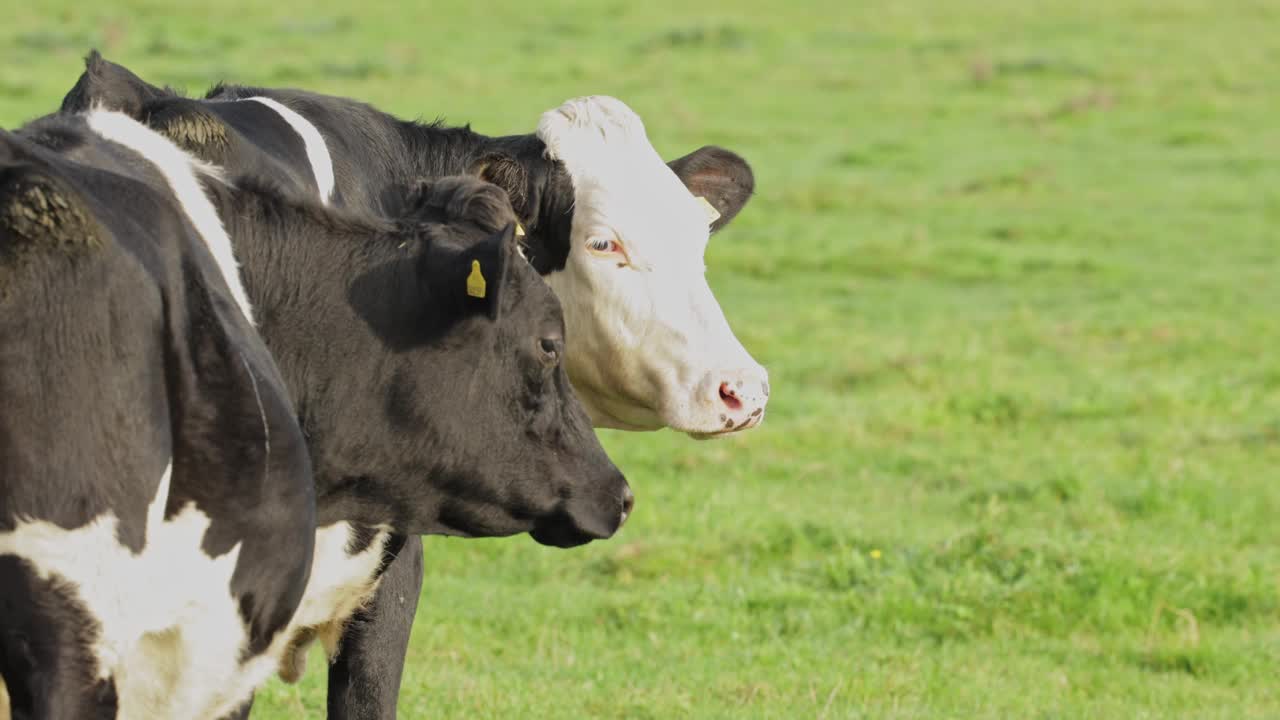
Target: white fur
[[171, 633], [339, 583], [317, 150], [179, 171], [648, 343]]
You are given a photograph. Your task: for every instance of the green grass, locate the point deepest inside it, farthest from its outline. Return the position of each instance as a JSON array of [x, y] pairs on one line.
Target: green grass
[[1015, 270]]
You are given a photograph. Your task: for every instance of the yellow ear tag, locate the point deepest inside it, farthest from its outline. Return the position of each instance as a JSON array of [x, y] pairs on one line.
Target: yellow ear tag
[[475, 281], [712, 213], [519, 229]]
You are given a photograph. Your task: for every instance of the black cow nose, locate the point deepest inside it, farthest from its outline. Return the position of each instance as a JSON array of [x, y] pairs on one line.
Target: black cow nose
[[628, 502]]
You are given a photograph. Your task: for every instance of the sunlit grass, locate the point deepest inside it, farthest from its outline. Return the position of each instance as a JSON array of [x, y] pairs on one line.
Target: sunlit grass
[[1013, 268]]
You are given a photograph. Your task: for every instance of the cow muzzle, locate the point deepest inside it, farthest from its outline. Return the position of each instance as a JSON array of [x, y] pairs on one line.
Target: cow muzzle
[[594, 516], [733, 400]]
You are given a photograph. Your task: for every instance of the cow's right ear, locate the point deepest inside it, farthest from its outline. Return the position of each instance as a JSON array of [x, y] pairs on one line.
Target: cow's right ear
[[459, 282], [110, 86], [484, 271], [507, 173], [720, 178]]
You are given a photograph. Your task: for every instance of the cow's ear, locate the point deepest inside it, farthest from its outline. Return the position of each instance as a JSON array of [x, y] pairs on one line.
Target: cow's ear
[[483, 272], [720, 177], [507, 173], [110, 86]]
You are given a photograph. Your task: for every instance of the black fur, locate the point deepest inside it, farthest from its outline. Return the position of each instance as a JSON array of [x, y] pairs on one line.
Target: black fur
[[112, 86]]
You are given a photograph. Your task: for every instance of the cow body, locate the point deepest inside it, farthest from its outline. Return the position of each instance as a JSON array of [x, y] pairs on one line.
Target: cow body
[[150, 461]]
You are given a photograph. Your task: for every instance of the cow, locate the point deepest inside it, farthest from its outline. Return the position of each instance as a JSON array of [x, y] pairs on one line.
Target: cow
[[151, 463], [410, 373], [619, 235]]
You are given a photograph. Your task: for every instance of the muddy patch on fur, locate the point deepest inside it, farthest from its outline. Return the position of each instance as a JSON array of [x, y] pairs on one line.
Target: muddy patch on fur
[[293, 663], [37, 218], [193, 130]]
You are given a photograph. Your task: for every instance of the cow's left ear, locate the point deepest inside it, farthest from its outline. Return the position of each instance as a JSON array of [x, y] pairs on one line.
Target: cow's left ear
[[721, 177], [483, 271], [507, 173]]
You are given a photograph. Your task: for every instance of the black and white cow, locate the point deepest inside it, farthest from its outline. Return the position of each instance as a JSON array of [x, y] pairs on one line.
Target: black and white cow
[[151, 465], [619, 235], [423, 359]]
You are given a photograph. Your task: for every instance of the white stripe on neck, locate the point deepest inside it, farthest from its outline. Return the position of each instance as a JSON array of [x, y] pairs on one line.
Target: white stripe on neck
[[317, 151]]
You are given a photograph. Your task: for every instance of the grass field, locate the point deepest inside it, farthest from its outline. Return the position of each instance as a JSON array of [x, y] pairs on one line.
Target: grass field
[[1015, 270]]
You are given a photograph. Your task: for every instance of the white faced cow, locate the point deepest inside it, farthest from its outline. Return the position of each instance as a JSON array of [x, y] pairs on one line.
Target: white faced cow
[[618, 234]]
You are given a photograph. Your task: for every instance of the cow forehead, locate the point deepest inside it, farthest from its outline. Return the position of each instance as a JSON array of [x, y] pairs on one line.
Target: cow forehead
[[620, 181]]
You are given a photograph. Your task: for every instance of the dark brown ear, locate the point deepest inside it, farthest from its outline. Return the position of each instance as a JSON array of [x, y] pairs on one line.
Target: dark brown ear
[[720, 176], [504, 171]]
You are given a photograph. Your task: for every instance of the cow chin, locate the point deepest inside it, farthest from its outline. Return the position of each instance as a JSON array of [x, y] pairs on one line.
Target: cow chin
[[563, 532], [707, 424], [560, 537]]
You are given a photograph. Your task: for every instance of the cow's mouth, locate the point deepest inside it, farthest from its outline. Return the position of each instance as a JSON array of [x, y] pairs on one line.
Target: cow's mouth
[[560, 536], [746, 424]]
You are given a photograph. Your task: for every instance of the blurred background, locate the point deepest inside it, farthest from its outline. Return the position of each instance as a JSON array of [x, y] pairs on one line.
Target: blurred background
[[1015, 271]]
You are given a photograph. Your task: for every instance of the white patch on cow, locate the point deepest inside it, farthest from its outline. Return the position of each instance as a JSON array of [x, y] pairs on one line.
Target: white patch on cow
[[648, 344], [340, 584], [317, 150], [171, 634], [179, 171]]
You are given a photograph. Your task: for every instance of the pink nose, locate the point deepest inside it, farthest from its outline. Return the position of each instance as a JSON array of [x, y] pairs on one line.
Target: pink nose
[[742, 397], [729, 396]]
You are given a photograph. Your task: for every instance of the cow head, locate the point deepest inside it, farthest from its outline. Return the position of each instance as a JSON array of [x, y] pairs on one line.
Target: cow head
[[649, 346], [513, 447]]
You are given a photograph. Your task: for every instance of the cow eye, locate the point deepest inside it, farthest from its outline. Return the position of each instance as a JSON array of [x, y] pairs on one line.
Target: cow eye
[[604, 245], [549, 350]]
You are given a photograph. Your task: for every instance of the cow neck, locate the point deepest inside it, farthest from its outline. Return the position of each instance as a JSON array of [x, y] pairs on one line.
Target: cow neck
[[312, 272], [547, 208]]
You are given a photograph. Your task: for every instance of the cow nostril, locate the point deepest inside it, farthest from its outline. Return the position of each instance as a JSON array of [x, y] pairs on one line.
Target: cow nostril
[[729, 397], [628, 502]]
